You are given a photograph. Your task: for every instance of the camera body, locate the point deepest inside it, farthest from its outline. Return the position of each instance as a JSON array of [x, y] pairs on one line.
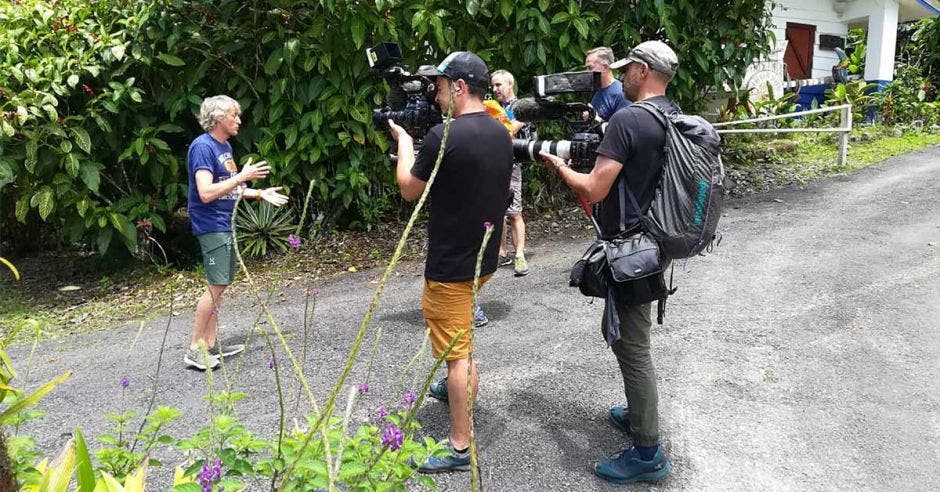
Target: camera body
[[578, 115], [410, 101]]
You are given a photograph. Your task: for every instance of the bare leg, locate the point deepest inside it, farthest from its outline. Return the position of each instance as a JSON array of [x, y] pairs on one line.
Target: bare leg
[[457, 399], [518, 233], [206, 317], [503, 244]]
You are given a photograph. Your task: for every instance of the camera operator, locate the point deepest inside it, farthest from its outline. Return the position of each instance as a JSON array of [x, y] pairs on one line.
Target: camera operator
[[504, 90], [630, 155], [609, 99], [470, 188]]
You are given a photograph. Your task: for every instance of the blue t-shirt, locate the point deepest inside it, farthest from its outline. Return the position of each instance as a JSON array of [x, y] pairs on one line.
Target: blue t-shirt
[[208, 153], [609, 100]]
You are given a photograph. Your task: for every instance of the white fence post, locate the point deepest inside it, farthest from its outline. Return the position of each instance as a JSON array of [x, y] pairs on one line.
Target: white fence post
[[844, 129], [846, 124]]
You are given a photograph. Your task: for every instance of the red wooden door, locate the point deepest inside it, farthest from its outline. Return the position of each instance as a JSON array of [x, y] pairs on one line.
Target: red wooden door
[[799, 55]]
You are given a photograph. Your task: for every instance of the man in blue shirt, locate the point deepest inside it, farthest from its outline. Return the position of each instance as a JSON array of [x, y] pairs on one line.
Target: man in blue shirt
[[609, 98], [214, 185]]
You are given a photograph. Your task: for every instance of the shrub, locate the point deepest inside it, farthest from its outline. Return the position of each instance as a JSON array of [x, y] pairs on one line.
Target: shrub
[[101, 95], [262, 226]]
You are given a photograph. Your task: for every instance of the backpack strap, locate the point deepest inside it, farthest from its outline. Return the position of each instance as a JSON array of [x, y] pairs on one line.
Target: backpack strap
[[625, 190], [661, 304]]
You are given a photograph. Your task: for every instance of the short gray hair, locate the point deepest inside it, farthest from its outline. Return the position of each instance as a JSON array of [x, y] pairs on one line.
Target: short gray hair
[[505, 74], [214, 109], [603, 54]]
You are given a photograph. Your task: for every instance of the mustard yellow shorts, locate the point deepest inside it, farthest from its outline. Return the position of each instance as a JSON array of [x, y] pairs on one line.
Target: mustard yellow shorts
[[448, 309]]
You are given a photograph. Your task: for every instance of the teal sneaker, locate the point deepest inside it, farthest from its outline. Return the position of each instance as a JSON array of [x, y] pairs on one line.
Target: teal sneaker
[[451, 462], [625, 467], [620, 418], [439, 390]]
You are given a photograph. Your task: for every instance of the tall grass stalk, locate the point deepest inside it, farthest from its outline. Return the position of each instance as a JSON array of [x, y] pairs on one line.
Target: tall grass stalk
[[474, 463], [290, 355]]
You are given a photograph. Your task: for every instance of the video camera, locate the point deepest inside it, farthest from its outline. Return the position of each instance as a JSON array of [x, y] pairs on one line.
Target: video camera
[[410, 102], [580, 116]]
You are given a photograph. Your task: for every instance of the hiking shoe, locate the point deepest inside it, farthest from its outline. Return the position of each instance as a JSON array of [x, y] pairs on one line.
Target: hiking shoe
[[452, 461], [625, 467], [194, 358], [479, 317], [521, 267], [227, 350], [504, 261], [620, 418], [439, 390]]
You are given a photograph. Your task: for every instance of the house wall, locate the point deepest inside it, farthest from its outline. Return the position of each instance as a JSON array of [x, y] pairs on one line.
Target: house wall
[[880, 18], [817, 13]]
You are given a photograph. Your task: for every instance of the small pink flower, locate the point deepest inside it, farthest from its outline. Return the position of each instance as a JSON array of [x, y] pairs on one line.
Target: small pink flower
[[294, 242], [270, 362], [313, 292], [487, 225], [363, 388]]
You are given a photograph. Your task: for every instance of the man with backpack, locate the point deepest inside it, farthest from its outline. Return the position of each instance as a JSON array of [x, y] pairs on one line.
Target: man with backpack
[[630, 161]]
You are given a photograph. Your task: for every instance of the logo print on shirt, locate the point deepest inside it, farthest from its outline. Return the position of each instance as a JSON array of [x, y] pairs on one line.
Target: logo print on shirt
[[211, 260], [228, 161]]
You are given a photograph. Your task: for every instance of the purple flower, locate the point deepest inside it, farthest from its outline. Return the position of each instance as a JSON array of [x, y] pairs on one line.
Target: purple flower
[[210, 475], [125, 382], [381, 414], [408, 401], [294, 242], [363, 388], [487, 225], [270, 362], [313, 292], [392, 437]]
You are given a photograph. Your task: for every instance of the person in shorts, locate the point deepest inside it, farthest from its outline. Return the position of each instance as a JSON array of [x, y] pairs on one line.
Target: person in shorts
[[214, 185], [504, 90], [470, 190]]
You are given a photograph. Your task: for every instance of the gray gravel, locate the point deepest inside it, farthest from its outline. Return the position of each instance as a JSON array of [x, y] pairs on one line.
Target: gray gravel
[[802, 353]]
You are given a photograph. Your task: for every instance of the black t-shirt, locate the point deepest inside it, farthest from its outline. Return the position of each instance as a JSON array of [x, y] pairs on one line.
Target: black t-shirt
[[471, 187], [635, 139]]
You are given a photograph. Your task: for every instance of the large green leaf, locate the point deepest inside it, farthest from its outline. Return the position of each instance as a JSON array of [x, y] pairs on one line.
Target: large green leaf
[[33, 398], [90, 176], [44, 199], [81, 138], [86, 474], [172, 60], [32, 149]]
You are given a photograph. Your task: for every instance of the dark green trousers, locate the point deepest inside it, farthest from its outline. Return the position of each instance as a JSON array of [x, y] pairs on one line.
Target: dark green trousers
[[639, 376]]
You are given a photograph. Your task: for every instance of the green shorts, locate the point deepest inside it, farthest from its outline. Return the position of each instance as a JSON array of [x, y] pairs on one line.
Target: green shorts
[[218, 257]]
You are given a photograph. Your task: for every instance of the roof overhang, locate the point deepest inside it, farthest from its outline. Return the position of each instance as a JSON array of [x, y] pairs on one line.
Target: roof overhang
[[911, 10]]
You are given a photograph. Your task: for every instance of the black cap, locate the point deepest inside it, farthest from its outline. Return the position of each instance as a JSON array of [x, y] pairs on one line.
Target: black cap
[[461, 65]]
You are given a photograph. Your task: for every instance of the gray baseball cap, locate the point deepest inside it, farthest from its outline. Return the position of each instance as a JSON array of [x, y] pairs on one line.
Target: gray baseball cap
[[655, 54]]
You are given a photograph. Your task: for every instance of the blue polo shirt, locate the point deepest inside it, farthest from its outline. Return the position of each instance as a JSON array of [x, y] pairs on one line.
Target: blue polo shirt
[[216, 157], [609, 100]]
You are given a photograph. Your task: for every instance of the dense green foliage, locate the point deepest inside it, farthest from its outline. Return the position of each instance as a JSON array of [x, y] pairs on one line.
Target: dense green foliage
[[98, 100], [913, 94]]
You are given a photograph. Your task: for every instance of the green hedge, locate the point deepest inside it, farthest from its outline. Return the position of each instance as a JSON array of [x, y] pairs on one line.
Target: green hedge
[[99, 101]]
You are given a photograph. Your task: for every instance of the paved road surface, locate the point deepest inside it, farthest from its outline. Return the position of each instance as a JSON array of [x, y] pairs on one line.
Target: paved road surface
[[803, 353]]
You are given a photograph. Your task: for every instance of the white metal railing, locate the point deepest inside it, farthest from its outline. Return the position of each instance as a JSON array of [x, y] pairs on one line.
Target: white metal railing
[[845, 126]]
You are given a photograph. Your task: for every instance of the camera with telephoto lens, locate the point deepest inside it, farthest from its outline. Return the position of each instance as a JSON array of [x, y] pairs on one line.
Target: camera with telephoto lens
[[545, 106], [410, 100]]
